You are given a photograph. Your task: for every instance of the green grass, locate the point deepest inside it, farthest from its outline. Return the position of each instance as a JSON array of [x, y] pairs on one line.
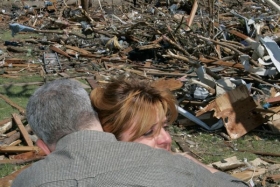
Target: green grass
[[6, 35], [18, 94], [212, 148], [6, 169], [21, 79]]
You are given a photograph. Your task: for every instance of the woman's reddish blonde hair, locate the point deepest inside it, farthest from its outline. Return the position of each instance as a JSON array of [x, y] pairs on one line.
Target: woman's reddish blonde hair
[[124, 102]]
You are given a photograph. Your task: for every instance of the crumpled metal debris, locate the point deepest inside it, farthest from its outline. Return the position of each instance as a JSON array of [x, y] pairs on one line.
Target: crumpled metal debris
[[16, 28]]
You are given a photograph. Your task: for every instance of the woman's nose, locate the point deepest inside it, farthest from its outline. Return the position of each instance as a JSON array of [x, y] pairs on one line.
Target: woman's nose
[[163, 137]]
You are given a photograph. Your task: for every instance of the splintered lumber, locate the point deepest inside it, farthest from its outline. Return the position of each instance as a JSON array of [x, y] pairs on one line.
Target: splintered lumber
[[151, 46], [17, 142], [52, 7], [21, 110], [81, 51], [166, 74], [27, 65], [243, 36], [28, 155], [18, 149], [17, 49], [13, 136], [275, 178], [4, 128], [171, 84], [93, 84], [248, 174], [191, 17], [22, 130], [59, 51], [71, 50], [228, 164], [15, 61], [10, 139], [4, 121], [24, 158], [273, 100], [221, 63]]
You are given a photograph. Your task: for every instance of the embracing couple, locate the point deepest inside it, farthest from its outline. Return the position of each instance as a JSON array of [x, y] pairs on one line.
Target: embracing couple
[[115, 137]]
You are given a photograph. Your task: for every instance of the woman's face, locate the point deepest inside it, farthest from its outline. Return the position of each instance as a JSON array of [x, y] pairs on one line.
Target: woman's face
[[159, 140]]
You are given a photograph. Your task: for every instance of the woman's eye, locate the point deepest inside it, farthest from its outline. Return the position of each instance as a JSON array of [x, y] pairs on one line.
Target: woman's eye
[[149, 133]]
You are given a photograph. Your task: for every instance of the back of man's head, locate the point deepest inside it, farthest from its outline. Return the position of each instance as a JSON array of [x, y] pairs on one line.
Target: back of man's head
[[59, 108]]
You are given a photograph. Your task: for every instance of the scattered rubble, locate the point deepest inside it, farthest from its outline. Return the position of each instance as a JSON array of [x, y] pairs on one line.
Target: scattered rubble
[[219, 58]]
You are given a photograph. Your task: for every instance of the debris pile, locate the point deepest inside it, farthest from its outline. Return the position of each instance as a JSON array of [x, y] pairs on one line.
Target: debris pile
[[219, 58]]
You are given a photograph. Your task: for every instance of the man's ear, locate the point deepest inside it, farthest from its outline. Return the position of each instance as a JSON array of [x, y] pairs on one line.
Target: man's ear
[[43, 146]]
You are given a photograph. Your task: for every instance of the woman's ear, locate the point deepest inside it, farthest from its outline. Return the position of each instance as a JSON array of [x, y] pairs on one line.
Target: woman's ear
[[43, 146]]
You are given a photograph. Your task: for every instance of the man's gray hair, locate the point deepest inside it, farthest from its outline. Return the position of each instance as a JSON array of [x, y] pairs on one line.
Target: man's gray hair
[[59, 108]]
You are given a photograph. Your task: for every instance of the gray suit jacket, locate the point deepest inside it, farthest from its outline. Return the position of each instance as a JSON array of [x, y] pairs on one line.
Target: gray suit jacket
[[91, 158]]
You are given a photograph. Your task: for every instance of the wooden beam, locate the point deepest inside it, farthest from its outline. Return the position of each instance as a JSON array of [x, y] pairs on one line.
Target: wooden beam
[[56, 49], [22, 130], [18, 149]]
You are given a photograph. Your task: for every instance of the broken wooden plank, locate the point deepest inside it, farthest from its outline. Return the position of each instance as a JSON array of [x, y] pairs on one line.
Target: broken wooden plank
[[126, 50], [221, 63], [28, 155], [63, 74], [22, 130], [227, 164], [27, 65], [273, 178], [151, 46], [4, 121], [93, 84], [185, 147], [52, 6], [4, 128], [13, 136], [72, 52], [240, 35], [165, 74], [248, 174], [17, 142], [7, 100], [52, 47], [273, 100], [192, 15], [171, 84], [77, 49], [15, 61], [10, 139], [18, 149]]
